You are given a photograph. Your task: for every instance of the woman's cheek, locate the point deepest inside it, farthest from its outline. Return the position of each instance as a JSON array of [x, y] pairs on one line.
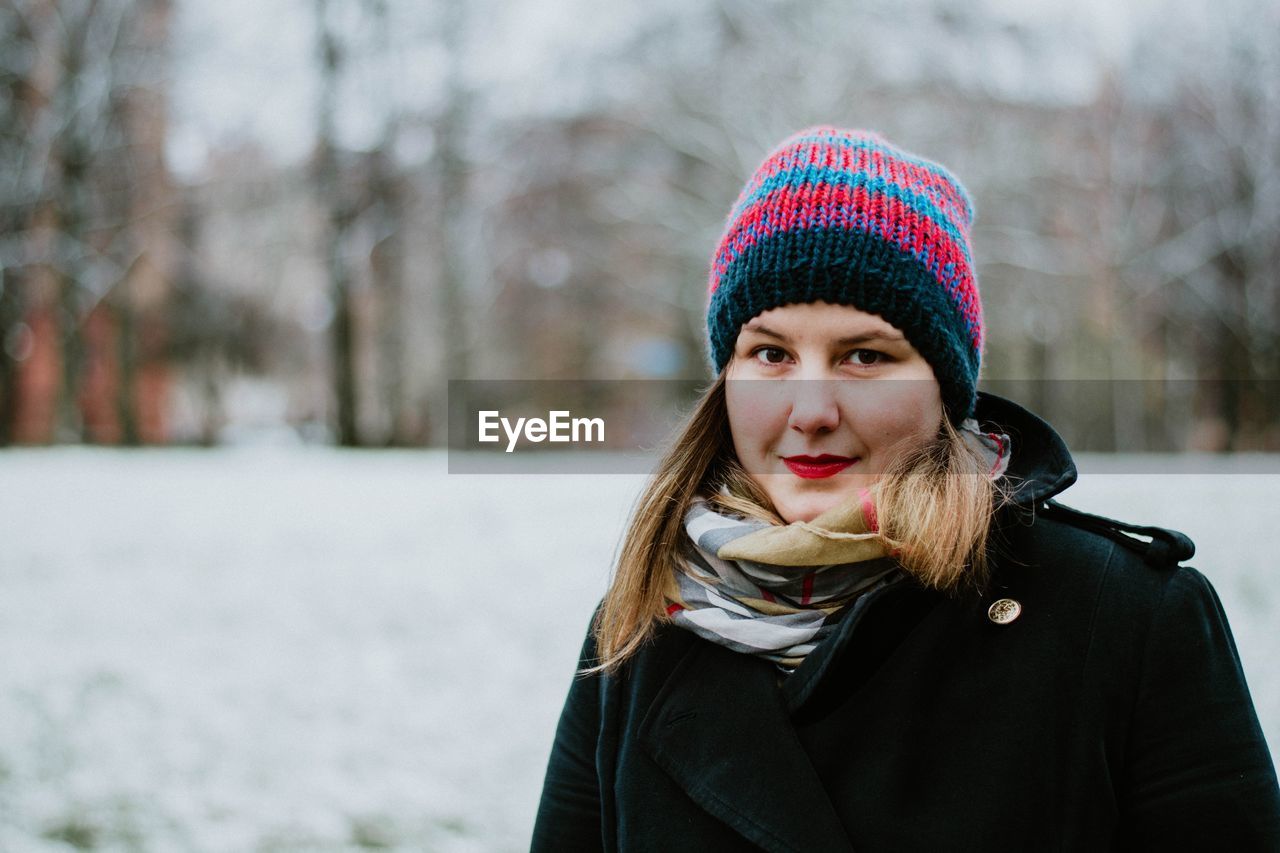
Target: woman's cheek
[[754, 405]]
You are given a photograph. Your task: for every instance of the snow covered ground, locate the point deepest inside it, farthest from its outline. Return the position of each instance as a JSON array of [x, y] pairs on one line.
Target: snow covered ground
[[309, 649]]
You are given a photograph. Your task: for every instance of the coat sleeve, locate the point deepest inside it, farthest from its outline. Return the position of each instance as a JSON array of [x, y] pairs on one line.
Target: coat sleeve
[[1199, 774], [569, 811]]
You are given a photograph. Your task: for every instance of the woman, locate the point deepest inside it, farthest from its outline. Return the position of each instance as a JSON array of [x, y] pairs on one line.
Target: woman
[[847, 614]]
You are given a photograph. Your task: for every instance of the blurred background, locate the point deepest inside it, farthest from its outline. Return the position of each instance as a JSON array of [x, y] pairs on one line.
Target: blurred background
[[261, 233], [302, 218]]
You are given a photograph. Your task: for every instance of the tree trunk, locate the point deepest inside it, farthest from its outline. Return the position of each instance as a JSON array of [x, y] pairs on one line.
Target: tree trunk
[[329, 185]]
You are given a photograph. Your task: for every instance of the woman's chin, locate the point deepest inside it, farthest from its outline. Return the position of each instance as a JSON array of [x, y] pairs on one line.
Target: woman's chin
[[798, 499], [809, 507]]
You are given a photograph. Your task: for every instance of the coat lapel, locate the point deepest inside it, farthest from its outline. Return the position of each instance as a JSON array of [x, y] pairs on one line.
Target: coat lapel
[[877, 624], [740, 761]]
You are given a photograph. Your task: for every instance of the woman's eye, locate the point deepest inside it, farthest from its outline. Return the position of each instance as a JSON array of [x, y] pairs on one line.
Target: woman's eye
[[866, 357], [768, 353]]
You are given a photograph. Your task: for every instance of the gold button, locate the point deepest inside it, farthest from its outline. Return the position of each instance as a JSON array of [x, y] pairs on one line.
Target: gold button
[[1004, 611]]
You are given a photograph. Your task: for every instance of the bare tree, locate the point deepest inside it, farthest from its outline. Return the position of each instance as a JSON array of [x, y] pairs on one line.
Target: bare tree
[[1218, 250], [74, 161], [339, 213]]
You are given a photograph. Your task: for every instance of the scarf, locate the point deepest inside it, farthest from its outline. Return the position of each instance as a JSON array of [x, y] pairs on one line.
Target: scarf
[[777, 591]]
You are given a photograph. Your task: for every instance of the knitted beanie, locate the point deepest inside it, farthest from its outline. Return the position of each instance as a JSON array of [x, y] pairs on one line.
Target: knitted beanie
[[845, 217]]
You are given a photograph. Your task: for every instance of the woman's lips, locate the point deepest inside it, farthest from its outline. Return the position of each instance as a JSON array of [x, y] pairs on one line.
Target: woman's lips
[[817, 467]]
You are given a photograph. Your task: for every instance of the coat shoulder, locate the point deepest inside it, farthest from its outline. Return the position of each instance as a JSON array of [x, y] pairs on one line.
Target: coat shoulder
[[1160, 547], [1095, 561], [1055, 529]]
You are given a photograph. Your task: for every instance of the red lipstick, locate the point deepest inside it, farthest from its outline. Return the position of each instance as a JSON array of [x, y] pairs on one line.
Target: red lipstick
[[817, 467]]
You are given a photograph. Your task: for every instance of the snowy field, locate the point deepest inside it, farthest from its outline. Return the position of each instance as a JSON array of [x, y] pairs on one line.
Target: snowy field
[[306, 649]]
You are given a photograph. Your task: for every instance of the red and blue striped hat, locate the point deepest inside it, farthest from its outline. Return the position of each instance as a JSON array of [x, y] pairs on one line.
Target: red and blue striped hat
[[843, 216]]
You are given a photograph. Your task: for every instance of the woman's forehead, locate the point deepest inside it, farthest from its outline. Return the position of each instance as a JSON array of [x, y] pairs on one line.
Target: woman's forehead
[[820, 319]]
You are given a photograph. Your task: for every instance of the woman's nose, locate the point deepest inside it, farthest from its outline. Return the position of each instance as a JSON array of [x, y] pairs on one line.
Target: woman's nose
[[814, 407]]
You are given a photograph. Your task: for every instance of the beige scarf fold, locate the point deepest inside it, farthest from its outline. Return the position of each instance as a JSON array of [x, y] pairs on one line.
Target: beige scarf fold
[[846, 533]]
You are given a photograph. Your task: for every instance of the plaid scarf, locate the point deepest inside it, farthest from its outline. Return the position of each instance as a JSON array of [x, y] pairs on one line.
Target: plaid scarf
[[777, 591]]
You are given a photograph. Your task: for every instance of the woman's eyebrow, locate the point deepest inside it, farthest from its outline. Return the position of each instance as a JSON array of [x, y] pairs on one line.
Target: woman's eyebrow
[[865, 337]]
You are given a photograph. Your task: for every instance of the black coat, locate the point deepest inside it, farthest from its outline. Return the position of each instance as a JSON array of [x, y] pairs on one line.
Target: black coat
[[1112, 713]]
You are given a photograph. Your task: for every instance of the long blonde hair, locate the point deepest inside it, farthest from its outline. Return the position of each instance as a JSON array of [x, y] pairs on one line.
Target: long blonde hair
[[934, 505]]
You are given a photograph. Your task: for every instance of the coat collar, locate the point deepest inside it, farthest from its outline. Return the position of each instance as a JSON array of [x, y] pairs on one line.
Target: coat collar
[[1041, 465]]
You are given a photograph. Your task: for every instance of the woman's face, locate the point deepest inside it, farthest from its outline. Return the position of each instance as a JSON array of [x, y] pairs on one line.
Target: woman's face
[[815, 443]]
